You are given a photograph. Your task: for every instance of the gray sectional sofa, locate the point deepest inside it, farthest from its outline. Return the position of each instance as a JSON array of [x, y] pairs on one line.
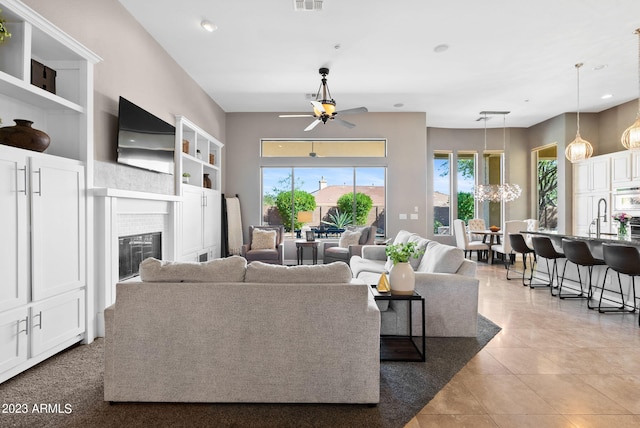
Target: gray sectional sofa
[[225, 331], [444, 278]]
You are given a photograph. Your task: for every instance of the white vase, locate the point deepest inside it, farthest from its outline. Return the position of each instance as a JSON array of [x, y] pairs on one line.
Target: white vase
[[402, 279]]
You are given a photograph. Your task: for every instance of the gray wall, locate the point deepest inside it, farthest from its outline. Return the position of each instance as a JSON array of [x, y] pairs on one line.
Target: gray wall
[[136, 67], [406, 150]]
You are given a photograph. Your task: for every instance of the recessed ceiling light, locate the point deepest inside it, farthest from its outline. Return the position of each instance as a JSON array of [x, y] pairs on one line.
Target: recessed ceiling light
[[441, 48], [209, 26], [599, 67], [398, 105], [606, 96]]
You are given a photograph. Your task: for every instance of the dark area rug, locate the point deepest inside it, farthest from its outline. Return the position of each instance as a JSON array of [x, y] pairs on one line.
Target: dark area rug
[[66, 391]]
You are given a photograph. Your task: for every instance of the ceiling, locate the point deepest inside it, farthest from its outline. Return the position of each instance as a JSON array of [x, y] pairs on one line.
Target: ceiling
[[502, 55]]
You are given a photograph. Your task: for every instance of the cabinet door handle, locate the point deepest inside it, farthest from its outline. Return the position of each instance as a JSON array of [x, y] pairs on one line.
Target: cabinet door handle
[[24, 180], [39, 325], [26, 326], [39, 172]]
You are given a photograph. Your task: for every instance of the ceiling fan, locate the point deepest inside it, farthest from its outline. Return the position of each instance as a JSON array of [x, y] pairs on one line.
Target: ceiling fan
[[324, 107]]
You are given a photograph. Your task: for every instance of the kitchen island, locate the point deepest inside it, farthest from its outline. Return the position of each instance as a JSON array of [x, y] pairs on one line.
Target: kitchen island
[[610, 286]]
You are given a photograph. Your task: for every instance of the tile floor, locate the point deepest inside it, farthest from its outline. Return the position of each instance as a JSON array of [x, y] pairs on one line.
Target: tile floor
[[554, 364]]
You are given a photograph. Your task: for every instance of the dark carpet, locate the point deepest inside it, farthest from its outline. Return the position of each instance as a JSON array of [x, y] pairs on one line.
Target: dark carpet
[[66, 391]]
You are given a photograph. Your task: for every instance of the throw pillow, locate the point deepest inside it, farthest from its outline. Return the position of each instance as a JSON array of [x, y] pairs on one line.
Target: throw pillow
[[263, 239], [421, 244], [332, 273], [230, 269], [441, 258], [349, 238]]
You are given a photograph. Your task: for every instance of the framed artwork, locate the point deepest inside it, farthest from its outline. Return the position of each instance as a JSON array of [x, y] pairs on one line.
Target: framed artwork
[[311, 236]]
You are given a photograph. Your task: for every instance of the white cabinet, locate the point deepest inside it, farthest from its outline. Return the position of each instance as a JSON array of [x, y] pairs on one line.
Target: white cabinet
[[200, 219], [592, 175], [621, 169], [42, 306], [198, 154], [14, 245], [586, 211]]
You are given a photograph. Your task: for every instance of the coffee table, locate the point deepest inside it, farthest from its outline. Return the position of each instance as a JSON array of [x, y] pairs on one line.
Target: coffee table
[[397, 347]]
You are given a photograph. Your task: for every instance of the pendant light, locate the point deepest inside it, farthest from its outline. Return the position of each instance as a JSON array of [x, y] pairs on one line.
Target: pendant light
[[508, 191], [505, 192], [579, 148], [631, 136]]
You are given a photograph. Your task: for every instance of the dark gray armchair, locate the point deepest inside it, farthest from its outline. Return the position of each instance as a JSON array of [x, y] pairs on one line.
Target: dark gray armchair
[[333, 252], [267, 255]]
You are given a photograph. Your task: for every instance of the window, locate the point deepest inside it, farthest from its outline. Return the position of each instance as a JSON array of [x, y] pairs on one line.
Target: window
[[546, 159], [331, 195], [466, 170], [492, 211], [441, 193]]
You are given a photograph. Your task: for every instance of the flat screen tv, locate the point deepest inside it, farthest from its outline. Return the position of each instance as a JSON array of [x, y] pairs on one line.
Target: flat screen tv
[[144, 140]]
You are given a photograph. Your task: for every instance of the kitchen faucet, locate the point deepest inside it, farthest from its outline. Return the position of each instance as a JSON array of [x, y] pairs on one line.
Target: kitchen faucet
[[601, 216]]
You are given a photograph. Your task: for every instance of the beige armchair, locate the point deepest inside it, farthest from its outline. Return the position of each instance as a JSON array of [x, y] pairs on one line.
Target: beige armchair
[[263, 248], [333, 252]]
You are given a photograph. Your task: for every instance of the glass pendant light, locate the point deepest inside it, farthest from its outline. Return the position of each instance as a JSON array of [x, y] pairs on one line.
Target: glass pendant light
[[631, 136], [506, 192], [579, 148]]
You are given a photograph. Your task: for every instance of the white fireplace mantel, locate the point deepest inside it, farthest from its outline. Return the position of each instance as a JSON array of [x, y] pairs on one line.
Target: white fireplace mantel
[[125, 212]]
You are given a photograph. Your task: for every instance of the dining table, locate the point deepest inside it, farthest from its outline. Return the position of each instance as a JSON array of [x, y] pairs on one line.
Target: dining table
[[494, 239]]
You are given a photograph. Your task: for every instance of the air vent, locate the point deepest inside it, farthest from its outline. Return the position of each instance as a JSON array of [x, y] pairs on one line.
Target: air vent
[[307, 5]]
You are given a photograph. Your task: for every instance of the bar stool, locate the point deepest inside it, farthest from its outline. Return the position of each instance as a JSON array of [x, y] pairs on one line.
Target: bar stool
[[519, 245], [623, 259], [578, 253], [544, 248]]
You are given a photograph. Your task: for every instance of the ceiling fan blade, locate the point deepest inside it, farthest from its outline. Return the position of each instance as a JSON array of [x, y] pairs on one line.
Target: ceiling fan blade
[[296, 115], [313, 125], [344, 123], [353, 110], [318, 106]]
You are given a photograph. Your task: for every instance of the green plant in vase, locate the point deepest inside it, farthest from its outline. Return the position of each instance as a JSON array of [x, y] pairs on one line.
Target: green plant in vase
[[401, 253], [4, 32]]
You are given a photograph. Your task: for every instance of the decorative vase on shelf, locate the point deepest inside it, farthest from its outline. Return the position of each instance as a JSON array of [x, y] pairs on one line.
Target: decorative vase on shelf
[[22, 135], [402, 279], [206, 181]]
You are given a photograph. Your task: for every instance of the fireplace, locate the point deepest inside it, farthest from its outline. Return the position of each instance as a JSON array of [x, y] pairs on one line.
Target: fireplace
[[133, 249]]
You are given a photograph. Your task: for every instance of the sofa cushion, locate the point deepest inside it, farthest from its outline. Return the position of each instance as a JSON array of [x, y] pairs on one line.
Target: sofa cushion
[[441, 258], [402, 237], [349, 237], [332, 273], [421, 244], [263, 239], [230, 269]]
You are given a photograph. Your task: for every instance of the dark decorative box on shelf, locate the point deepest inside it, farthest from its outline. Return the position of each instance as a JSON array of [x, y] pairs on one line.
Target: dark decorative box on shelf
[[43, 76]]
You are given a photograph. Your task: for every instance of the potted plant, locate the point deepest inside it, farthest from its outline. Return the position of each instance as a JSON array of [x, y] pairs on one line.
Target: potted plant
[[4, 33], [185, 177], [402, 278]]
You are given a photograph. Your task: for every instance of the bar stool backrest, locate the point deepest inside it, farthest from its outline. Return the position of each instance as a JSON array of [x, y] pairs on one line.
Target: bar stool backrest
[[578, 252], [544, 248], [518, 243], [622, 258]]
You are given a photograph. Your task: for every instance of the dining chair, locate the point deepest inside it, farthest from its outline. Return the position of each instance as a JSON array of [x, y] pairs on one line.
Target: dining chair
[[462, 240], [504, 248]]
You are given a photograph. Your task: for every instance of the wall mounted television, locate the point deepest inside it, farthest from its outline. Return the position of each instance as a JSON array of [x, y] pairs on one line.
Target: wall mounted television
[[144, 140]]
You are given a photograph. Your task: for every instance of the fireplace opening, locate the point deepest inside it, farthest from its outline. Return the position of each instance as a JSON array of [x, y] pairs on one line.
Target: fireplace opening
[[133, 249]]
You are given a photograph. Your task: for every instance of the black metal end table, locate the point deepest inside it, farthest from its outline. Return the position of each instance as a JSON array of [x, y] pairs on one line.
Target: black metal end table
[[402, 348]]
